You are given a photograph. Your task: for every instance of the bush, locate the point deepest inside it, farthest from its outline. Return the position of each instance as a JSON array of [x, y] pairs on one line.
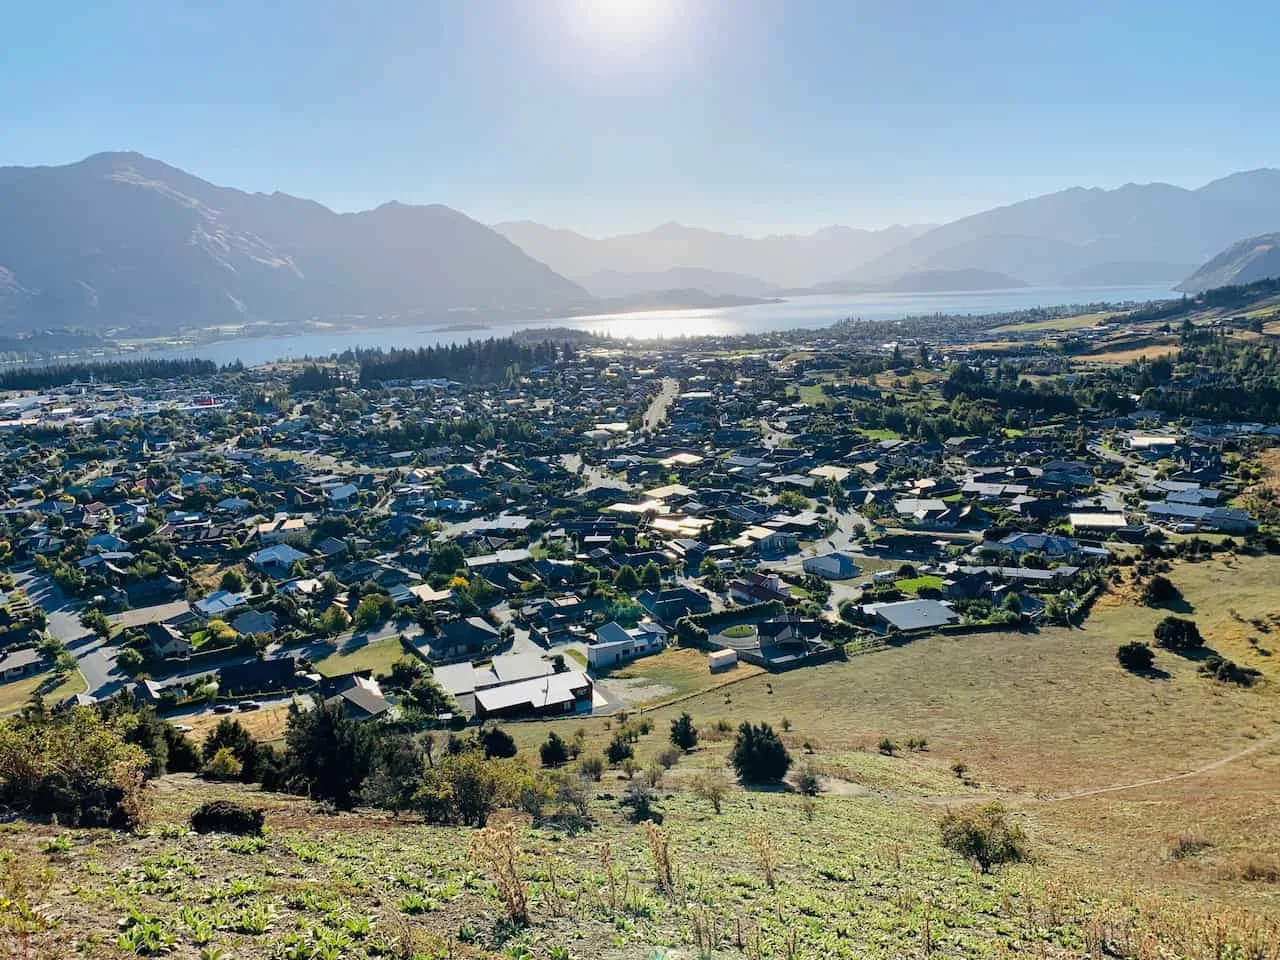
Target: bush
[[1136, 657], [1228, 671], [591, 768], [224, 816], [807, 782], [638, 799], [1179, 635], [759, 755], [983, 837], [683, 733], [223, 765], [619, 749], [554, 751], [497, 743], [1159, 589]]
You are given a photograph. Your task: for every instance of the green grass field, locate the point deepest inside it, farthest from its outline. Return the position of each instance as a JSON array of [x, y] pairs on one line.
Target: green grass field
[[15, 693], [377, 656]]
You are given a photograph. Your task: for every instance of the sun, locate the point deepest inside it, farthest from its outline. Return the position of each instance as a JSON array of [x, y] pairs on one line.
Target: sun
[[622, 26]]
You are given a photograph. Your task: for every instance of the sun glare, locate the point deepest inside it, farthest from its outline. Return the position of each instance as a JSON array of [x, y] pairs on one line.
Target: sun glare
[[622, 26]]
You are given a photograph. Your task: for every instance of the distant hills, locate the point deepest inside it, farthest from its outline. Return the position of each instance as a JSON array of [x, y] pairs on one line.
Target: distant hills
[[788, 260], [1247, 261], [1131, 234], [120, 239], [1138, 233], [923, 281]]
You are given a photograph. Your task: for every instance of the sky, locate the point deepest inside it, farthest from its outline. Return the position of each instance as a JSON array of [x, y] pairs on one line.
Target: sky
[[607, 116]]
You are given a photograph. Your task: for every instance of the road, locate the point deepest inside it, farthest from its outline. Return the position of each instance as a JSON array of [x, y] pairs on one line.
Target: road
[[657, 411]]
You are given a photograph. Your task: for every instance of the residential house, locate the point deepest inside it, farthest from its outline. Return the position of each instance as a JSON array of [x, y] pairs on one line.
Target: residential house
[[615, 644]]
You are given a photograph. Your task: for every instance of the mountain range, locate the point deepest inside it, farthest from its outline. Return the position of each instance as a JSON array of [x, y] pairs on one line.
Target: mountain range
[[1137, 233], [122, 240]]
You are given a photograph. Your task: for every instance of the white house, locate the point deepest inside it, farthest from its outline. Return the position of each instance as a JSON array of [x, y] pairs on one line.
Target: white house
[[832, 566], [615, 644]]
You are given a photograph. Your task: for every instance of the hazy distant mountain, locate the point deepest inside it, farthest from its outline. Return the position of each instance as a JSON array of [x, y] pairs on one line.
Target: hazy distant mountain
[[121, 239], [1257, 258], [923, 281], [614, 283], [1127, 271], [794, 260], [1060, 236]]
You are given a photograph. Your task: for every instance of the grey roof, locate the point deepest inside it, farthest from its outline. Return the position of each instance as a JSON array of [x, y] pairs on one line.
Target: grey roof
[[536, 694], [910, 615]]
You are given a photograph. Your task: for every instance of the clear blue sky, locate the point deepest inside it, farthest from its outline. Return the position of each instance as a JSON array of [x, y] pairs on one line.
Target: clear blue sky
[[610, 115]]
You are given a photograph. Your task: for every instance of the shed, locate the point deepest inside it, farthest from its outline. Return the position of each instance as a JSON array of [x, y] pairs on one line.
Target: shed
[[719, 660]]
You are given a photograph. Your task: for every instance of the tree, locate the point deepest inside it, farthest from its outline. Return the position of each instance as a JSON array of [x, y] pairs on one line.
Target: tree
[[130, 660], [619, 749], [554, 751], [374, 609], [397, 768], [1136, 657], [1178, 634], [230, 735], [626, 579], [233, 581], [95, 620], [429, 697], [683, 733], [334, 620], [651, 576], [329, 754], [759, 755], [497, 743], [983, 837], [792, 501], [447, 558]]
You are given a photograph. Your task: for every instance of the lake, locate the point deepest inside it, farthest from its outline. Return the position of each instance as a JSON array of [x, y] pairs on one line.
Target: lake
[[811, 312]]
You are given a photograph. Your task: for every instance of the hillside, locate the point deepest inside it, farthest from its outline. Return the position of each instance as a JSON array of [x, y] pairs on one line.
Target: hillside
[[793, 260], [120, 239], [1257, 258], [1054, 238]]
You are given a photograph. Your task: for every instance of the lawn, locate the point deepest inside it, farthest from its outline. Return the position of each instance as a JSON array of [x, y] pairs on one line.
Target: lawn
[[15, 693], [267, 724], [377, 656], [913, 585]]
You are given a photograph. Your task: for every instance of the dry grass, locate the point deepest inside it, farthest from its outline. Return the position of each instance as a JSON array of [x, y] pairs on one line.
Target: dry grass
[[671, 674], [1057, 323], [267, 724], [1145, 352]]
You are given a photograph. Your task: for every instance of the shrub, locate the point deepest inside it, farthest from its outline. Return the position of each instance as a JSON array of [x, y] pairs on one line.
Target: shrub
[[683, 733], [223, 765], [592, 768], [758, 755], [983, 837], [497, 743], [712, 787], [498, 851], [669, 757], [1159, 589], [887, 747], [638, 799], [619, 749], [554, 751], [1135, 656], [807, 782], [1178, 634], [224, 816], [1228, 671]]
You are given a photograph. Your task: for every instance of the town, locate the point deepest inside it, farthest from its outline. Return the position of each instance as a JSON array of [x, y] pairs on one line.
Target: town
[[571, 529]]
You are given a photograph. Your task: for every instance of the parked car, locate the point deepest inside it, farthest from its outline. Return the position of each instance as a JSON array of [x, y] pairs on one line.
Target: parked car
[[247, 705], [224, 708]]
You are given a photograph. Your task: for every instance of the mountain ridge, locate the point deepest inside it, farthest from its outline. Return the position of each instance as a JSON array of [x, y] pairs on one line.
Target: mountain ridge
[[1245, 261], [120, 239]]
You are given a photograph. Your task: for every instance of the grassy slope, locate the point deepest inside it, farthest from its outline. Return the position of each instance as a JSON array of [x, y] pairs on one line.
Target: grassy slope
[[1038, 719]]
